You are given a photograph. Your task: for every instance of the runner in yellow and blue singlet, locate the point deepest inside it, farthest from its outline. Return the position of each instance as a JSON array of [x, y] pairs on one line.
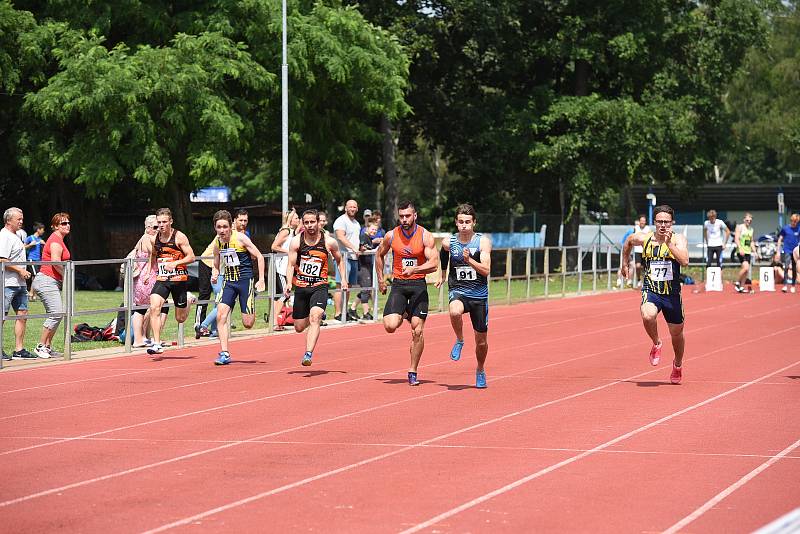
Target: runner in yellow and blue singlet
[[662, 279], [663, 254]]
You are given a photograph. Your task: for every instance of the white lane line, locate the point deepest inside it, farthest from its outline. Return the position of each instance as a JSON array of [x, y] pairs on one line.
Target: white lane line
[[716, 499], [235, 504], [197, 453], [524, 480]]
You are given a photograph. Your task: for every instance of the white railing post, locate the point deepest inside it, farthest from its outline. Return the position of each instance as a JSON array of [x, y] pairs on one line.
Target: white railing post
[[580, 269], [546, 268], [271, 292], [68, 287], [594, 269], [3, 310], [130, 265]]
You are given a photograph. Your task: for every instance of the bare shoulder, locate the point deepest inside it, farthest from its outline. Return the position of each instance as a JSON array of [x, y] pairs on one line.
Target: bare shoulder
[[427, 239], [446, 242], [486, 242]]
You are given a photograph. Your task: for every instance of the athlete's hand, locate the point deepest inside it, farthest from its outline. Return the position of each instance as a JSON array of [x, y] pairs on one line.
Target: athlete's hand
[[171, 265], [438, 283], [382, 287], [466, 255], [623, 270], [214, 277], [287, 291], [408, 271], [260, 286]]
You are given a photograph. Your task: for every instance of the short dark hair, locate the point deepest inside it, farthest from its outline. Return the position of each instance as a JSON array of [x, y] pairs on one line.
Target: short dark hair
[[466, 209], [640, 216], [405, 204], [377, 213], [310, 211], [222, 214], [663, 208], [37, 226], [241, 211], [164, 211]]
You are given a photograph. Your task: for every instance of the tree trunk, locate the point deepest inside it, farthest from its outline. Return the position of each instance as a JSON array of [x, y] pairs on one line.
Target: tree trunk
[[436, 169], [181, 207], [391, 189]]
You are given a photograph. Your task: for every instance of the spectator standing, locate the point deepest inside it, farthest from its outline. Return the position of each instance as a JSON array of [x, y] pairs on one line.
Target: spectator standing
[[347, 230], [365, 263], [281, 246], [143, 282], [241, 222], [713, 230], [15, 293], [745, 249], [33, 246], [788, 239], [203, 287], [47, 284], [323, 221]]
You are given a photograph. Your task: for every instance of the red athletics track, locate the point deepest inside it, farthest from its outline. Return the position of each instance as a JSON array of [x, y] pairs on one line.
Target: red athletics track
[[576, 432]]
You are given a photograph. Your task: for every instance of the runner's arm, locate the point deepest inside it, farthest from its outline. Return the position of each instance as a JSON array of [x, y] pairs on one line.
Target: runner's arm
[[379, 257], [255, 253], [280, 238], [188, 254], [633, 240], [215, 267], [484, 266], [679, 249], [333, 247], [294, 248], [431, 256]]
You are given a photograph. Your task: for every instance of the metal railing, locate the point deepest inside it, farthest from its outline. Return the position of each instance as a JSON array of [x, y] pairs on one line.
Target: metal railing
[[552, 268]]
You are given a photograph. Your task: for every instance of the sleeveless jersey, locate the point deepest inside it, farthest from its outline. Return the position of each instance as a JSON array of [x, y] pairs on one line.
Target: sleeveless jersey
[[662, 272], [311, 266], [169, 251], [407, 251], [235, 258], [462, 278], [746, 240]]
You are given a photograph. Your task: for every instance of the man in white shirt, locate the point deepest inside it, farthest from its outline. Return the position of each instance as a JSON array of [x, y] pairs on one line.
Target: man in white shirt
[[639, 229], [713, 230], [347, 230], [15, 292]]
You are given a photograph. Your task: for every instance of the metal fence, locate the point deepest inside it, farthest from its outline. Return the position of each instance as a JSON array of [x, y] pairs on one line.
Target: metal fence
[[517, 275]]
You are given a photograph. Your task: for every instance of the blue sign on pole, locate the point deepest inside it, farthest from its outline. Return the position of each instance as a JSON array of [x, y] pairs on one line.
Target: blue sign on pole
[[211, 194]]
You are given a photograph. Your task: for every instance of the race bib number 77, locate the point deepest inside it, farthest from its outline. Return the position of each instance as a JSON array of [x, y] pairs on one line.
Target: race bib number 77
[[660, 271]]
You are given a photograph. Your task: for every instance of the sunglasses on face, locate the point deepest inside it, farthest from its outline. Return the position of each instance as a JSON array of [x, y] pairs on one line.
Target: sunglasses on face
[[64, 223]]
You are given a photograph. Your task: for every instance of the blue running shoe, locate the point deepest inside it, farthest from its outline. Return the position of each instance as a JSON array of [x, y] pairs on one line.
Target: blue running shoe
[[306, 359], [455, 352], [412, 379], [480, 379], [223, 359]]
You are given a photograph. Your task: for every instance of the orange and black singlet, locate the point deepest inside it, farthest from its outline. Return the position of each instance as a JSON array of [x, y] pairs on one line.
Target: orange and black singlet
[[166, 252], [408, 250], [311, 267]]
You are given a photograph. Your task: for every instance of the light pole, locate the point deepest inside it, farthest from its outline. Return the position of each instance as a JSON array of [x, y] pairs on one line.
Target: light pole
[[284, 118]]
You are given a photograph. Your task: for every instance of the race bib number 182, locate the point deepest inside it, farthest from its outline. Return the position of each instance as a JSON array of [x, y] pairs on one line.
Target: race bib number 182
[[310, 268]]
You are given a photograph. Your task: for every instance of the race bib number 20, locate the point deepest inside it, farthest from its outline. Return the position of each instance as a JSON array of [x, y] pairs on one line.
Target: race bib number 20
[[409, 262]]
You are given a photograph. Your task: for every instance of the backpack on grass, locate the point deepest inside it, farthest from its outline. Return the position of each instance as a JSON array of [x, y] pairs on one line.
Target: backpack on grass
[[85, 332]]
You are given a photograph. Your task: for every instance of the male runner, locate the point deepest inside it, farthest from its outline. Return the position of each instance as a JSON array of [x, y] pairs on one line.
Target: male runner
[[235, 250], [745, 249], [170, 254], [663, 254], [308, 272], [469, 256], [413, 256]]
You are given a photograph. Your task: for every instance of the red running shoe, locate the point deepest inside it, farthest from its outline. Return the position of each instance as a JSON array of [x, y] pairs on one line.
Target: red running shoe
[[676, 375], [655, 354]]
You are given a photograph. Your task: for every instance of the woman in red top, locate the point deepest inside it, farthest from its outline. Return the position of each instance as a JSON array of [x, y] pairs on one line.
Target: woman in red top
[[47, 283]]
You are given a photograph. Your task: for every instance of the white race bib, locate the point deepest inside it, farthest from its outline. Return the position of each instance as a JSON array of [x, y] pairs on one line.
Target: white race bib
[[466, 273], [660, 271], [310, 267], [229, 257], [409, 262], [162, 268]]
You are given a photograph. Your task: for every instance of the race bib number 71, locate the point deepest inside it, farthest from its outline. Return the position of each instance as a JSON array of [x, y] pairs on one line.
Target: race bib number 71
[[229, 257]]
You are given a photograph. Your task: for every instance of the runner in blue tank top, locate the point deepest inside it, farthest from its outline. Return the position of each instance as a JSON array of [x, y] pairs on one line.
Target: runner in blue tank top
[[469, 257], [664, 253]]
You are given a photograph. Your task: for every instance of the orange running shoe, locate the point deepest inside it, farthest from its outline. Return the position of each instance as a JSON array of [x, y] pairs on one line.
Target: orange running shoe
[[655, 354], [676, 375]]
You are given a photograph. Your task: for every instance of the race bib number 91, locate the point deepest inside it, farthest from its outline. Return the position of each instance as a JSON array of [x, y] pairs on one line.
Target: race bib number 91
[[466, 273], [660, 271]]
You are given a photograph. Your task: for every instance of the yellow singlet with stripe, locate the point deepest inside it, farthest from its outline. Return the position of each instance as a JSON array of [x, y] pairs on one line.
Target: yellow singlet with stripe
[[662, 272], [235, 258]]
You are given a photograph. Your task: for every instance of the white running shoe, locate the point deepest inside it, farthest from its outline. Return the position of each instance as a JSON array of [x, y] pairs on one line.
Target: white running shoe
[[42, 352]]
